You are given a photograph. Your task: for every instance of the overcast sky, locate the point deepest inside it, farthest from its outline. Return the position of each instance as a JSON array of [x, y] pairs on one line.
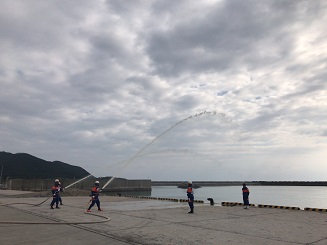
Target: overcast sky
[[167, 90]]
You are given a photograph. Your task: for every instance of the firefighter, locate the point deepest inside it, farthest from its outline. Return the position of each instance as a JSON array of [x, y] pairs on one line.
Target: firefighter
[[61, 189], [95, 191], [190, 196], [246, 193], [55, 194]]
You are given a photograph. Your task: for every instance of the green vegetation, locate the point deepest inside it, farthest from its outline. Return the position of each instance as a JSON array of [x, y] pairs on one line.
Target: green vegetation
[[23, 165]]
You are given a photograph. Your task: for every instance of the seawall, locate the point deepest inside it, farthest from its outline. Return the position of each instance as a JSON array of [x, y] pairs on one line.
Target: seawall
[[238, 183], [117, 185]]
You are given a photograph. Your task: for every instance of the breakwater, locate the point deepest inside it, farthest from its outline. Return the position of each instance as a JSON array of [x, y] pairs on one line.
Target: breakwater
[[117, 185], [239, 183]]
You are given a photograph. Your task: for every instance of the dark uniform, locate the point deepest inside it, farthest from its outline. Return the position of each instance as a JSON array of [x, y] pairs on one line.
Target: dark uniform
[[61, 189], [190, 197], [246, 193], [55, 190], [95, 191]]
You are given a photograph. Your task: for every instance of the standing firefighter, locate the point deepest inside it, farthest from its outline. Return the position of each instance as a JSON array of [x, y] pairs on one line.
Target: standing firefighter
[[246, 194], [55, 194], [190, 196], [95, 191], [61, 189]]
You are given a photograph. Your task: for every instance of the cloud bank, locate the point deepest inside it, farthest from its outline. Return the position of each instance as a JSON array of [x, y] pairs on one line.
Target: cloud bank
[[94, 83]]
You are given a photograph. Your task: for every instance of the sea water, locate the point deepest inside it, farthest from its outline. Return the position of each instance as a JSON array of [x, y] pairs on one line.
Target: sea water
[[293, 196]]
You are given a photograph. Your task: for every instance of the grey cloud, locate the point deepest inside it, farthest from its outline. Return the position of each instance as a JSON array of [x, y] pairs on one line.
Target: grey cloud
[[222, 93], [264, 121], [219, 41], [124, 8], [185, 102], [102, 80], [41, 27], [107, 49], [308, 89]]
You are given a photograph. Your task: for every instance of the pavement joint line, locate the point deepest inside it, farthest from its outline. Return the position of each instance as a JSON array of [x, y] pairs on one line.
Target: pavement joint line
[[32, 213], [215, 223], [59, 222], [323, 239], [142, 218], [164, 221], [272, 213], [241, 215], [118, 212], [244, 234], [93, 230], [74, 225], [235, 215], [126, 241], [187, 223]]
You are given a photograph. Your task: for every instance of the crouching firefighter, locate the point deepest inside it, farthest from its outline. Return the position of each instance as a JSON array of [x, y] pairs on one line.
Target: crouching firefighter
[[95, 191], [55, 194], [190, 196]]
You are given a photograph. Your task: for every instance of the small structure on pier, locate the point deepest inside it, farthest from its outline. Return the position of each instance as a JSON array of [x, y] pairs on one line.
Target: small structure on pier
[[184, 185]]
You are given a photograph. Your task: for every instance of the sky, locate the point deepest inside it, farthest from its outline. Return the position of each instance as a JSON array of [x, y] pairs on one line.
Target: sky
[[167, 90]]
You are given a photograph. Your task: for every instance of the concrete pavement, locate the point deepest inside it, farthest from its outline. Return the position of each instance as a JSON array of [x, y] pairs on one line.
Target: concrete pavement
[[138, 221]]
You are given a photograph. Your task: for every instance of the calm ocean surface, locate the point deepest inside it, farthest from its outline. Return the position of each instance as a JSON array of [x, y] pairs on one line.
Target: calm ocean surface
[[294, 196]]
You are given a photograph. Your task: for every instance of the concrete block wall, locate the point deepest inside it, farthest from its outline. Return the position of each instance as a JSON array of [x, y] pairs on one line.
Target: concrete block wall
[[118, 184], [29, 184]]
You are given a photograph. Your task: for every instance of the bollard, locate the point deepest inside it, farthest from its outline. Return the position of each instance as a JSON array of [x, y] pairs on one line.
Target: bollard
[[211, 201]]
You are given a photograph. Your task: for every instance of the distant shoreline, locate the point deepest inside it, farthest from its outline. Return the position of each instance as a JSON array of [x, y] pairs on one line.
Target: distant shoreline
[[237, 183]]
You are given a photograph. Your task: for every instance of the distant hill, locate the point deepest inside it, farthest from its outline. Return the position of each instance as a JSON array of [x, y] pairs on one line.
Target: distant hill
[[23, 165]]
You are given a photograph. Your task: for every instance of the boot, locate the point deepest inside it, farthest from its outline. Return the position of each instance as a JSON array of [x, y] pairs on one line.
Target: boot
[[58, 207], [51, 207], [191, 212]]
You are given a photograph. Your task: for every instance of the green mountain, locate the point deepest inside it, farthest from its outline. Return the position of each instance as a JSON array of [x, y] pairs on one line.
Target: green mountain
[[23, 165]]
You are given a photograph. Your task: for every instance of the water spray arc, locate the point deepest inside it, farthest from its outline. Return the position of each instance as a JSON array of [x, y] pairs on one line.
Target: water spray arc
[[78, 181], [176, 124], [163, 133], [106, 184]]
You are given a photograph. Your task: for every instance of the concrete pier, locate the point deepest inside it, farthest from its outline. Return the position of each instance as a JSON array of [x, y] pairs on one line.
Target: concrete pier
[[142, 221]]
